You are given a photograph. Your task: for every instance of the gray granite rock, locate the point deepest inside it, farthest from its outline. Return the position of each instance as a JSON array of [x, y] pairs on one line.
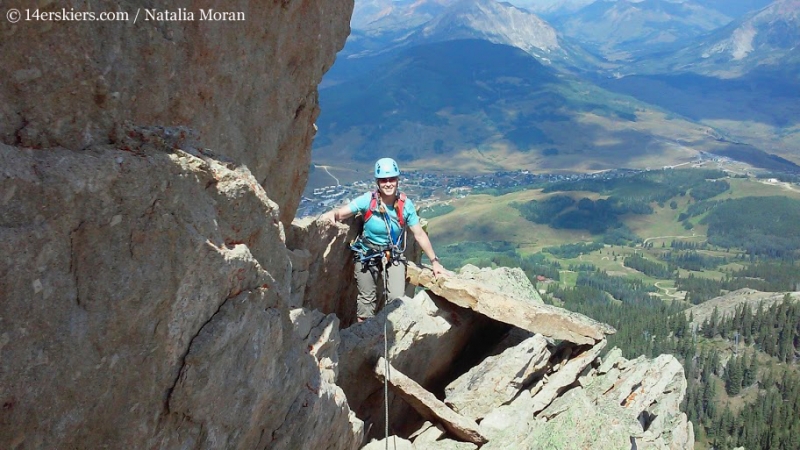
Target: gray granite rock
[[424, 340], [145, 301], [512, 281], [248, 88], [498, 379]]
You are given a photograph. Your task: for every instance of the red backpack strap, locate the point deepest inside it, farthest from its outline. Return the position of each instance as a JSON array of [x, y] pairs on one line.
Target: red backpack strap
[[373, 205], [401, 202]]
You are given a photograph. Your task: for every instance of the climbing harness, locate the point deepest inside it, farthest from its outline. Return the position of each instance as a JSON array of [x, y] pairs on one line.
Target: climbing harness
[[371, 255]]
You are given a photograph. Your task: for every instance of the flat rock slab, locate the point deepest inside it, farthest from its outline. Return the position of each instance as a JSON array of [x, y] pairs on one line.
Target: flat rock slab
[[547, 320], [428, 406]]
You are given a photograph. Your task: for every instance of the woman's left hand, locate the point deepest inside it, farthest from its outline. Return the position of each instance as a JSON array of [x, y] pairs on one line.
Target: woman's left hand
[[438, 269], [329, 216]]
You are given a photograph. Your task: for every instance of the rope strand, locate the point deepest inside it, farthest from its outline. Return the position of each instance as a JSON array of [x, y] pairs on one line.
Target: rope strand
[[386, 351]]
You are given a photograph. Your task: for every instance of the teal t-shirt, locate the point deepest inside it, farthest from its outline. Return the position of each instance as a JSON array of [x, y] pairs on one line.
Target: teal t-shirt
[[375, 229]]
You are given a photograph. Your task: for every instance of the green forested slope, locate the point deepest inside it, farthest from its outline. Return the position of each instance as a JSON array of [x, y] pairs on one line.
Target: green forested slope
[[643, 268]]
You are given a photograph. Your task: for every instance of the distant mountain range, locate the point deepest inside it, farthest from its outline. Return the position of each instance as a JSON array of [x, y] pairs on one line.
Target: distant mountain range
[[553, 9], [769, 37], [474, 105], [550, 9], [742, 79], [485, 85], [623, 29], [377, 16], [405, 23]]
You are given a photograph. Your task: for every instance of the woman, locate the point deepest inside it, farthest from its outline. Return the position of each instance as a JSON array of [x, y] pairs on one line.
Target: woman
[[383, 235]]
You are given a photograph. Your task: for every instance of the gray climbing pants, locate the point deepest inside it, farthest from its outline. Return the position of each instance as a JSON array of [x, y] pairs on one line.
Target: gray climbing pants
[[370, 288]]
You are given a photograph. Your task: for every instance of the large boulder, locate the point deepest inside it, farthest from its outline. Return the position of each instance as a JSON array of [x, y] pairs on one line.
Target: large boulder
[[521, 311], [512, 281], [498, 379]]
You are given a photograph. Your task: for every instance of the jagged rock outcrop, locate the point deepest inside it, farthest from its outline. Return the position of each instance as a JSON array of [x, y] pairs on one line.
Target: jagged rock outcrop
[[248, 87], [145, 281], [536, 393], [145, 302], [612, 406], [425, 336], [727, 304]]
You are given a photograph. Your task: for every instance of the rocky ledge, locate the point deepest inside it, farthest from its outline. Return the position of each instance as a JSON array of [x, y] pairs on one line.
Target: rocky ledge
[[460, 379]]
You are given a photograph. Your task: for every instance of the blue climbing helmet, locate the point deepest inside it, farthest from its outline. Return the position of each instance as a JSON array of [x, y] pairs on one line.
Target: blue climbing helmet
[[386, 168]]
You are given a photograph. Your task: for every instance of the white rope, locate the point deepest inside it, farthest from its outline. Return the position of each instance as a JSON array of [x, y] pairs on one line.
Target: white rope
[[386, 349]]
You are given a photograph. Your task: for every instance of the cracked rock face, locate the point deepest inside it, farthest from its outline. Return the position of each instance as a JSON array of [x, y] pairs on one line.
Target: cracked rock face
[[248, 87], [147, 171], [144, 302]]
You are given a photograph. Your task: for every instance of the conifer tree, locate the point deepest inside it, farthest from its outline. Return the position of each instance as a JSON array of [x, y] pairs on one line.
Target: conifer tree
[[709, 396], [757, 318], [744, 367], [714, 322], [751, 373], [747, 323], [786, 343], [707, 329], [733, 376], [705, 375]]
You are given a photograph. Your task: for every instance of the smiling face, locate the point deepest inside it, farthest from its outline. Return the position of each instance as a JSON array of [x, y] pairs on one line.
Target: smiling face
[[387, 186]]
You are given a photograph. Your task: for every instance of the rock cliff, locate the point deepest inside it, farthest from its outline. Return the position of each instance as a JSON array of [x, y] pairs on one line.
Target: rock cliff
[[249, 88], [147, 172], [156, 293]]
